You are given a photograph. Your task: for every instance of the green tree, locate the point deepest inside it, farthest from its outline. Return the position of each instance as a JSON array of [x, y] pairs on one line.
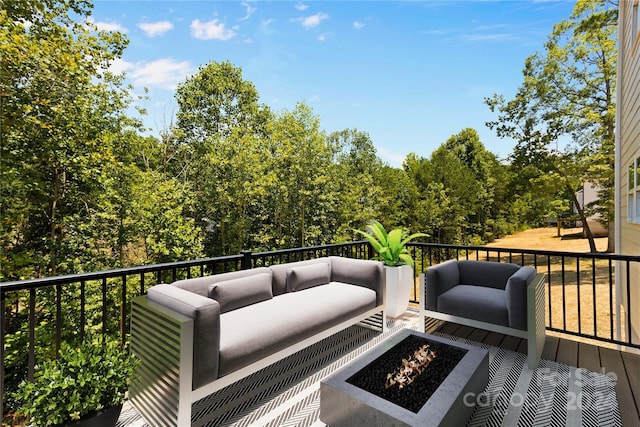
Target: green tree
[[218, 146], [568, 95], [355, 172], [61, 117]]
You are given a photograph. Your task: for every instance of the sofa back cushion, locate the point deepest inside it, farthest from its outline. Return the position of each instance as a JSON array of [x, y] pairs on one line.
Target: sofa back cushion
[[369, 274], [279, 272], [486, 273], [240, 292], [200, 285], [307, 276]]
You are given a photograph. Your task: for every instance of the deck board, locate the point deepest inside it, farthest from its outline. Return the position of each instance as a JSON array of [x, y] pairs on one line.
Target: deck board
[[550, 349], [588, 357], [632, 368], [567, 352], [612, 363]]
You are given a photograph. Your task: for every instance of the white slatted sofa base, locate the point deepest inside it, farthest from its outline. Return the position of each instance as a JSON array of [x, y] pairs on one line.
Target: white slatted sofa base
[[163, 340], [536, 329]]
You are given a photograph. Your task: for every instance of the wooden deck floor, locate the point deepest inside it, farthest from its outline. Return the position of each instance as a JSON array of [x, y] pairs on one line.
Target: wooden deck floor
[[625, 365]]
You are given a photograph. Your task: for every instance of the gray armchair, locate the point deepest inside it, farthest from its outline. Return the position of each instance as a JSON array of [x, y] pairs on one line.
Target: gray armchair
[[499, 297]]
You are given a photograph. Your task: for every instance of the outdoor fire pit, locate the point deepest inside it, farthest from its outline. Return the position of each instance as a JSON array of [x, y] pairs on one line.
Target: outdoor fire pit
[[411, 379]]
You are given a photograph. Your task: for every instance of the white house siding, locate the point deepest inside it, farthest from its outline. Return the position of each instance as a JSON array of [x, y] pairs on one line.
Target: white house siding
[[628, 149]]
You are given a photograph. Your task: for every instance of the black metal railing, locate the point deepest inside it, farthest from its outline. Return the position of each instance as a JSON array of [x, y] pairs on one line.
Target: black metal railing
[[583, 297], [38, 315]]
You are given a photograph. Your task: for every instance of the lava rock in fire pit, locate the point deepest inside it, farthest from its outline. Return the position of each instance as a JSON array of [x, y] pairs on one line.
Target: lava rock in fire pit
[[412, 396]]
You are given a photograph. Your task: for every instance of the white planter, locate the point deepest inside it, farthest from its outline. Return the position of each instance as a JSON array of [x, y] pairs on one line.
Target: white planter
[[399, 280]]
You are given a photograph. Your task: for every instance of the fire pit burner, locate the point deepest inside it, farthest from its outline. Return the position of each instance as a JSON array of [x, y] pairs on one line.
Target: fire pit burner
[[413, 386], [355, 394]]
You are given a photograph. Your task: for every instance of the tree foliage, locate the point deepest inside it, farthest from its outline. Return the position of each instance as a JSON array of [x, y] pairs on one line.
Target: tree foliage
[[563, 115]]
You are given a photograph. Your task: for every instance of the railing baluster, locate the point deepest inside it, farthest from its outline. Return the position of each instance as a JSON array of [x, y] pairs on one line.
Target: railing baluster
[[564, 301], [611, 298], [104, 307], [595, 302], [549, 290], [628, 304], [123, 311], [3, 312], [578, 294], [58, 317], [82, 309], [31, 363]]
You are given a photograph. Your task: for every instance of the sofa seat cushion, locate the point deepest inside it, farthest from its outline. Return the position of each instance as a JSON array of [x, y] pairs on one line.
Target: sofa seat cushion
[[475, 302], [259, 330]]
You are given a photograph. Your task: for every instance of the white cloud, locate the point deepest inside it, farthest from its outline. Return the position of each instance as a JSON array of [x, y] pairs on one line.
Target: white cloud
[[314, 98], [394, 159], [487, 37], [211, 30], [108, 26], [164, 73], [358, 25], [153, 29], [119, 66], [249, 8], [301, 6], [314, 20], [324, 36]]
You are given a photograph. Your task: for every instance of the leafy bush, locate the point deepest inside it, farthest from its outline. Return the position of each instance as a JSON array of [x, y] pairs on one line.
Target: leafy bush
[[82, 381]]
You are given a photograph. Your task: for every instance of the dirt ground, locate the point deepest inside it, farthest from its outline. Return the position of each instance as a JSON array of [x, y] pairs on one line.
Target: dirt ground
[[570, 240]]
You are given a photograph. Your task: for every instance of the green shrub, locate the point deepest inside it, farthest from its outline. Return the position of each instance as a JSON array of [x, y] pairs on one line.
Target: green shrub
[[83, 380]]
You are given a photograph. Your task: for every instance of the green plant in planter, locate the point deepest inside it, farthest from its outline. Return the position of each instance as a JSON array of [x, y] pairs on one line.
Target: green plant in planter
[[82, 381], [390, 247]]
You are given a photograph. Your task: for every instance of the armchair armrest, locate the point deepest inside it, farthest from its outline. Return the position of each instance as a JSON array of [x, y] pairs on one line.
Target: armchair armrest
[[205, 313], [440, 278], [516, 295]]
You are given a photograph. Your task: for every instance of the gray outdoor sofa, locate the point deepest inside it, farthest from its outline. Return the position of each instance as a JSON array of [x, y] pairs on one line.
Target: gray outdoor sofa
[[198, 335], [499, 297]]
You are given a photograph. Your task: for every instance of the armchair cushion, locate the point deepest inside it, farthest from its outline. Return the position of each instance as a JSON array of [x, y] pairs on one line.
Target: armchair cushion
[[488, 291], [490, 274], [477, 302]]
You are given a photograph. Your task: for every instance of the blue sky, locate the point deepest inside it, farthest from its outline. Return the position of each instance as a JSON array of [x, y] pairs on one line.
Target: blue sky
[[410, 73]]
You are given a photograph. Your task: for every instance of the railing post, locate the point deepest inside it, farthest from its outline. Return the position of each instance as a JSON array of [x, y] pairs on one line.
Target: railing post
[[2, 332], [246, 260]]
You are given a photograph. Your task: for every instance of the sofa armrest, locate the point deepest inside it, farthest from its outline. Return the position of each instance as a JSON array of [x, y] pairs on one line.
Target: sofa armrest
[[369, 274], [516, 295], [205, 313], [440, 278]]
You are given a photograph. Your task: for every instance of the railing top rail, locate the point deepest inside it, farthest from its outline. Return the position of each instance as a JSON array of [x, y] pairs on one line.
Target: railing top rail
[[106, 274], [596, 255], [18, 285], [307, 249]]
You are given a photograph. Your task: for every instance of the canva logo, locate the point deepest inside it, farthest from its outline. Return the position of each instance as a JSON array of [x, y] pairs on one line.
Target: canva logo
[[574, 401], [569, 381]]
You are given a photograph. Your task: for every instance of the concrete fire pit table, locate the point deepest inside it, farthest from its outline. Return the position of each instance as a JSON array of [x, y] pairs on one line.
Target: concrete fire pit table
[[344, 404]]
